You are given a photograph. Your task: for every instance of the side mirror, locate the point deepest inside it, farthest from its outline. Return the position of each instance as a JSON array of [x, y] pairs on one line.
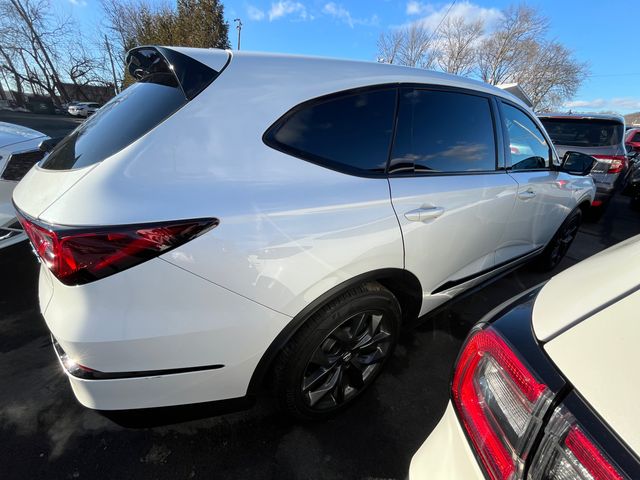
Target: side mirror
[[48, 145], [577, 163]]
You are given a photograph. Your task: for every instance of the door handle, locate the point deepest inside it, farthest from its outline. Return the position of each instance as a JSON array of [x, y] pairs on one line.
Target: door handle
[[424, 214], [527, 194]]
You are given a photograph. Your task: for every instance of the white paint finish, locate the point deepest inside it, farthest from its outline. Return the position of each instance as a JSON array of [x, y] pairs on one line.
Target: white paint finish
[[578, 291], [163, 390], [40, 188], [157, 316], [446, 454], [535, 220], [463, 239], [12, 134], [289, 230], [600, 357]]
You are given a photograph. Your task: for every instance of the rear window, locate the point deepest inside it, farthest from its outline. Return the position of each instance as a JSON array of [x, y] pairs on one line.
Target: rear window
[[350, 133], [155, 96], [584, 132]]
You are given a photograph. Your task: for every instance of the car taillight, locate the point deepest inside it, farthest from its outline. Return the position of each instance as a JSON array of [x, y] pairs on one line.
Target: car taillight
[[499, 401], [81, 255], [616, 162], [566, 452]]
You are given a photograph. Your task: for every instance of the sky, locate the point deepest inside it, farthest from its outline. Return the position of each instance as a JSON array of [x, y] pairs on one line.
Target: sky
[[593, 30]]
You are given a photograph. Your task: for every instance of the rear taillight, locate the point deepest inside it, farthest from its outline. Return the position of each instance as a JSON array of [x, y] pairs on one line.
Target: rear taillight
[[81, 255], [500, 403], [617, 163], [566, 452]]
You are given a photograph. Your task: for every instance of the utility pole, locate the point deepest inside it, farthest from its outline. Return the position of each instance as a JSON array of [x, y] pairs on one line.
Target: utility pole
[[239, 28], [113, 70]]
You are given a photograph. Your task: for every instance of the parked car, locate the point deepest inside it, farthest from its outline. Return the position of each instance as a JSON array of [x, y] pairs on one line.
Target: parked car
[[598, 135], [18, 153], [83, 109], [632, 139], [270, 218], [543, 387], [38, 104], [632, 183]]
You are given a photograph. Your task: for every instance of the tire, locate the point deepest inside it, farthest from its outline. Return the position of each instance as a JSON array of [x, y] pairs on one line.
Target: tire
[[557, 248], [337, 353]]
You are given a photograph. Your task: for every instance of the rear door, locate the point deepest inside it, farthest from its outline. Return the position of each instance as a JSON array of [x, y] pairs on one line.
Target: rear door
[[541, 204], [451, 196]]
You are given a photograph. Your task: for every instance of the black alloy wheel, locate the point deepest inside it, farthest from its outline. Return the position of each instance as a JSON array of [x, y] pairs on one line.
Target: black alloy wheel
[[337, 353], [346, 361]]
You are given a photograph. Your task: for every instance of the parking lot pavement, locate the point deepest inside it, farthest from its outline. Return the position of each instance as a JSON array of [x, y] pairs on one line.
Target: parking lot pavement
[[51, 125]]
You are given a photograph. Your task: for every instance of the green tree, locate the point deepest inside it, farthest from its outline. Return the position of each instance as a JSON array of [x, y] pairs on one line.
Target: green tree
[[186, 23]]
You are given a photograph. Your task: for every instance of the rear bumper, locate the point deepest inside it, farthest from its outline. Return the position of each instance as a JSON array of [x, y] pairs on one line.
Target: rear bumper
[[446, 453], [156, 335]]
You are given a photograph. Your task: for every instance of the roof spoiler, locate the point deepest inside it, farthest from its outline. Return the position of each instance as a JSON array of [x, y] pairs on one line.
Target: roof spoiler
[[166, 66]]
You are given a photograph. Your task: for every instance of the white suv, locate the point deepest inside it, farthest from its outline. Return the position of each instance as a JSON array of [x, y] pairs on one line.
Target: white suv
[[236, 218]]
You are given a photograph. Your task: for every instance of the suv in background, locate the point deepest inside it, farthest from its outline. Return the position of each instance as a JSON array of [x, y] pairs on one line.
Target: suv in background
[[598, 135]]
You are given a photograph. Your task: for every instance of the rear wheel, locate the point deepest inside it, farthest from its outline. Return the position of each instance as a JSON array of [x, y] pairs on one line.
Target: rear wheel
[[338, 353], [560, 243]]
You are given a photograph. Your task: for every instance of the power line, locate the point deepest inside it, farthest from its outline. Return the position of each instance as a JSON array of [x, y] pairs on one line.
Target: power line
[[441, 20]]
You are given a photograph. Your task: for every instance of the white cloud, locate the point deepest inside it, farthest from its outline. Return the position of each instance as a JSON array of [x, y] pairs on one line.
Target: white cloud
[[78, 3], [342, 14], [430, 17], [610, 104], [339, 12], [255, 13], [286, 7], [415, 8]]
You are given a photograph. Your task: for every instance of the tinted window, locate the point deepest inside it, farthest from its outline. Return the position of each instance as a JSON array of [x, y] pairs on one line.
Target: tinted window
[[636, 137], [584, 132], [348, 133], [443, 132], [527, 145], [128, 116]]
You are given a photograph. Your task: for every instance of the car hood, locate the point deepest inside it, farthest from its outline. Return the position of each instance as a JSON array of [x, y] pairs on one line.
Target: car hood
[[11, 134], [580, 291], [600, 358]]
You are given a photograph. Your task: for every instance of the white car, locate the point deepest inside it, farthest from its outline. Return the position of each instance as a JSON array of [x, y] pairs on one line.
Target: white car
[[236, 218], [83, 109], [18, 153], [546, 385]]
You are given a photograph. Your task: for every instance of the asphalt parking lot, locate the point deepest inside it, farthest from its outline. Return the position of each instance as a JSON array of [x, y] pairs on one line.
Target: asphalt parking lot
[[45, 433]]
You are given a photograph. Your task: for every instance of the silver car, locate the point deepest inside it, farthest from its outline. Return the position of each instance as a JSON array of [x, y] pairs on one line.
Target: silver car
[[598, 135]]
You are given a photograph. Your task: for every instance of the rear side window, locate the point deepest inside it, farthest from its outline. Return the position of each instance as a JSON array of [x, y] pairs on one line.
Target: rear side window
[[636, 137], [441, 131], [350, 133], [528, 148], [139, 108], [584, 132]]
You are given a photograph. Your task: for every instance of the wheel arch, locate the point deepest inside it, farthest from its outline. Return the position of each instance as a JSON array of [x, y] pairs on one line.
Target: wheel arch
[[402, 283]]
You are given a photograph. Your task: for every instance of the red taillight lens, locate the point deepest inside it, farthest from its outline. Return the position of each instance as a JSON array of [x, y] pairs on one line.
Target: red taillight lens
[[499, 401], [617, 163], [81, 255], [567, 452]]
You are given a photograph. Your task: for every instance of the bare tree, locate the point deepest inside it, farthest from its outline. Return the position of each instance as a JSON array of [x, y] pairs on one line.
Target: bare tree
[[389, 44], [457, 43], [416, 48], [550, 75], [505, 50]]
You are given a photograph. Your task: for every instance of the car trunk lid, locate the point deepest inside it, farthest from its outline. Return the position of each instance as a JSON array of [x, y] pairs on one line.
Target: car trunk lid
[[575, 294]]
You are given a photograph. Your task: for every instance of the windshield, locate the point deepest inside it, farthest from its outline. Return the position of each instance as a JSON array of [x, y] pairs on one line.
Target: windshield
[[584, 132]]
